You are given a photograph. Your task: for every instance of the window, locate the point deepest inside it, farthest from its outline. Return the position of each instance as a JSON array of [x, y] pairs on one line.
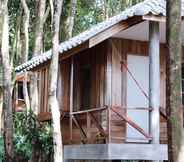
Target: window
[[20, 90]]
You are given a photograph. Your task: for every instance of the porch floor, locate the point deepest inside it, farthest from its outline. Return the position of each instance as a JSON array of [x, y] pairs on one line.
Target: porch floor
[[116, 152]]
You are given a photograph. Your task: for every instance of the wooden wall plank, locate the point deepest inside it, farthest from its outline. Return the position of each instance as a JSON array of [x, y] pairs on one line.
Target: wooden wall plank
[[100, 58]]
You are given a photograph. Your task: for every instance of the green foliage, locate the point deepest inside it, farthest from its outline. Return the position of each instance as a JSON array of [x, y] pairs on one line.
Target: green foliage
[[88, 14], [91, 12], [1, 149], [29, 132]]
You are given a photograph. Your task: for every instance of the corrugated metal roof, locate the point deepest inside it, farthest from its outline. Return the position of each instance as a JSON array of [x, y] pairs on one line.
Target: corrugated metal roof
[[155, 7]]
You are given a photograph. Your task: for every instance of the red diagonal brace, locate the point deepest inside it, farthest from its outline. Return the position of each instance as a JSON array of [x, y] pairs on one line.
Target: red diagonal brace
[[133, 124], [134, 79]]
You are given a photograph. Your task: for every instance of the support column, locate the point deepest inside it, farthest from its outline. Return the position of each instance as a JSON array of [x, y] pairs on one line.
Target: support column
[[71, 97], [108, 91], [154, 81], [108, 84]]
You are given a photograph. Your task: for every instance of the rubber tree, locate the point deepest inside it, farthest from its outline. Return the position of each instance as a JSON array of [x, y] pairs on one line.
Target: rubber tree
[[56, 6], [7, 85], [173, 82]]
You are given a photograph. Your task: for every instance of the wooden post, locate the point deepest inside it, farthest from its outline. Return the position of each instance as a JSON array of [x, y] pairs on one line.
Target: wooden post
[[154, 81], [109, 124], [108, 88], [108, 84], [71, 98], [88, 127]]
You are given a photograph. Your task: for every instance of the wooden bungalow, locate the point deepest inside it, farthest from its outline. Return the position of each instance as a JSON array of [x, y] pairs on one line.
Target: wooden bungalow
[[111, 87]]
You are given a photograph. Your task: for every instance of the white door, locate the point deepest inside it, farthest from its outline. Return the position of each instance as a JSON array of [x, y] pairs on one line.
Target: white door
[[139, 67]]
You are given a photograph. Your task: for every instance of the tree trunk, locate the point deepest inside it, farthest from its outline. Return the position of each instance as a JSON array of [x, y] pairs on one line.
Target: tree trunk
[[25, 49], [173, 80], [41, 15], [53, 75], [70, 20], [7, 84], [105, 10], [1, 111]]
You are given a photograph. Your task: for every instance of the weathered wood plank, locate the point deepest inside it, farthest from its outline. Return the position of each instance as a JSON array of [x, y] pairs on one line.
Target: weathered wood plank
[[44, 116], [89, 110]]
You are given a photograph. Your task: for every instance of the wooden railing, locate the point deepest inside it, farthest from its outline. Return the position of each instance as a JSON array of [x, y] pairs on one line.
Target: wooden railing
[[46, 116], [100, 118], [93, 118], [95, 125]]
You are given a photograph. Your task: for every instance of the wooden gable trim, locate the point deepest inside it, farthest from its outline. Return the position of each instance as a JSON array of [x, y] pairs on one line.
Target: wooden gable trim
[[123, 25], [41, 66], [74, 50], [64, 56]]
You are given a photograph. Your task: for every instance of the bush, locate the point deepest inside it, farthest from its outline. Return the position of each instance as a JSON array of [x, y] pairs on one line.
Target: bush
[[1, 149], [28, 132]]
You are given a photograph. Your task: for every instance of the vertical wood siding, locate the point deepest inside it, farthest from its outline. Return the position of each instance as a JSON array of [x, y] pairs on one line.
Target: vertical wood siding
[[96, 58], [43, 89]]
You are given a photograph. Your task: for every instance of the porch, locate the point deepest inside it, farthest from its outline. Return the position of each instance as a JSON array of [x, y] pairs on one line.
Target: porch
[[105, 125], [101, 134]]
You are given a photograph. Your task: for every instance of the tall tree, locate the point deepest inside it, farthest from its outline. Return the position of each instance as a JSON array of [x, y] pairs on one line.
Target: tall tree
[[25, 48], [173, 91], [105, 9], [53, 75], [7, 80], [70, 20], [41, 16]]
